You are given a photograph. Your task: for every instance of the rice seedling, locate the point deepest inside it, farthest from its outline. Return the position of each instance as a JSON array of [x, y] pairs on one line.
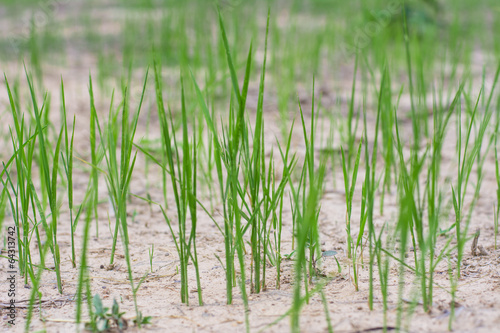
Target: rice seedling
[[480, 133], [68, 168], [306, 207], [118, 177], [151, 254], [23, 194], [94, 175], [403, 227], [184, 187], [350, 186], [435, 196], [386, 125], [464, 168], [50, 180], [255, 176], [233, 230], [370, 188], [263, 194], [347, 169], [288, 168], [83, 289], [21, 190]]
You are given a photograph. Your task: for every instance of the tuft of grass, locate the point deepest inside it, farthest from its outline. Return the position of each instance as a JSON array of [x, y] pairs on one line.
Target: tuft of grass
[[67, 159], [184, 185], [306, 212]]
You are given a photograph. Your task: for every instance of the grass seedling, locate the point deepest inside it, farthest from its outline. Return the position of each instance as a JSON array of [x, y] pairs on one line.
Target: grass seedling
[[151, 254], [50, 181], [403, 227], [464, 167], [383, 263], [228, 225], [371, 186], [306, 220], [21, 192], [435, 195], [183, 183], [482, 155], [67, 160], [119, 174], [36, 279], [27, 194], [190, 189], [288, 167], [254, 172], [94, 176], [387, 125], [352, 127], [350, 186], [232, 148], [227, 152], [408, 189]]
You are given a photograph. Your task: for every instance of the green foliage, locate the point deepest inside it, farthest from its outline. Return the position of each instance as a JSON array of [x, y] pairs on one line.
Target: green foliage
[[412, 95], [104, 319]]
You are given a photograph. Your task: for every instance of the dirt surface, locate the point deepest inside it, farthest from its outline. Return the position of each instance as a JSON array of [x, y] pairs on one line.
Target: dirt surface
[[478, 292]]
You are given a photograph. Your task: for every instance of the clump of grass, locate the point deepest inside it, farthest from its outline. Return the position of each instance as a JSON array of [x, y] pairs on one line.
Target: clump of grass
[[435, 195], [263, 192], [347, 169], [23, 193], [20, 195], [50, 181], [67, 160], [96, 157], [227, 153], [465, 163], [350, 186], [119, 174], [184, 184], [289, 164], [306, 203]]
